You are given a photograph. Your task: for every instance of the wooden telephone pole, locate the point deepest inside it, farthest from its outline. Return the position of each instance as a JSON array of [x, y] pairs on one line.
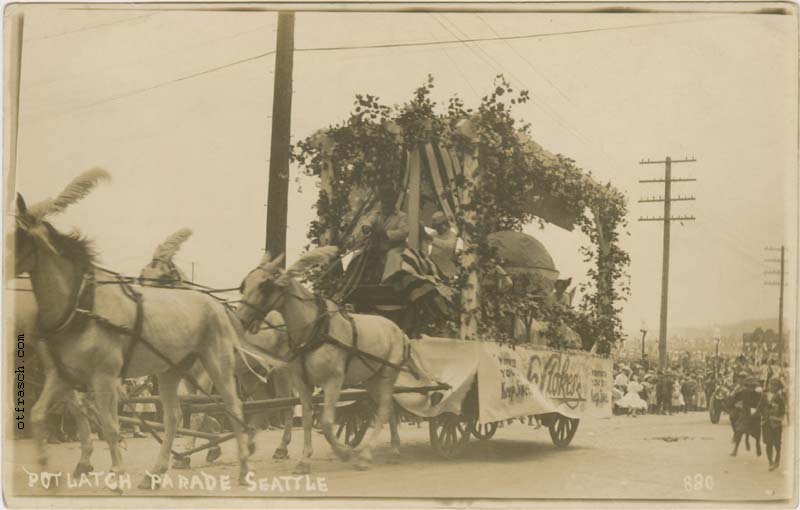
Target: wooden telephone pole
[[782, 284], [278, 192], [667, 219]]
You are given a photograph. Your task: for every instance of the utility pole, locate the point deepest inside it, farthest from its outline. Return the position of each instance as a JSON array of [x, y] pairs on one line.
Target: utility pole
[[278, 193], [644, 334], [666, 219], [782, 284]]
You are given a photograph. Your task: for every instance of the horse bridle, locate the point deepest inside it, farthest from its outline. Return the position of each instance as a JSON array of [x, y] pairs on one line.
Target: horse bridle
[[268, 307]]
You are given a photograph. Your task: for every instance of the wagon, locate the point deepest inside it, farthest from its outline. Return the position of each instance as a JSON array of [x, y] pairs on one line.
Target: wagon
[[486, 384], [473, 387]]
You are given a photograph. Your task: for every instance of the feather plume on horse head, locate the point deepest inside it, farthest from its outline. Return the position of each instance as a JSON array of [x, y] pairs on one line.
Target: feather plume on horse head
[[316, 257], [77, 189], [167, 250]]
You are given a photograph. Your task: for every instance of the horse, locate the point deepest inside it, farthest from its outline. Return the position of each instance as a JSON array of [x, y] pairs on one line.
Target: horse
[[162, 271], [251, 383], [327, 347], [98, 332], [24, 322]]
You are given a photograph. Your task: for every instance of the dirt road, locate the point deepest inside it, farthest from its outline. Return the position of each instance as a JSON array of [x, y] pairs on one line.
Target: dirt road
[[649, 457]]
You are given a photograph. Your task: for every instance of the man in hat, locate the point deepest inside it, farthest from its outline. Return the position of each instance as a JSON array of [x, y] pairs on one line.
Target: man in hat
[[772, 409], [746, 421], [443, 242]]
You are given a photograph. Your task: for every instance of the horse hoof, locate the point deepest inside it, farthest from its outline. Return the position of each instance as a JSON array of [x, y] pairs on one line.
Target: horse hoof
[[213, 454], [394, 458], [82, 468], [280, 454], [302, 468], [148, 483], [182, 463], [243, 477], [362, 465], [345, 453]]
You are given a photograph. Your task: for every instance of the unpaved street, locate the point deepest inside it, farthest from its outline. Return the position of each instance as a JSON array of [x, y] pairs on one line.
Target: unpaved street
[[649, 457]]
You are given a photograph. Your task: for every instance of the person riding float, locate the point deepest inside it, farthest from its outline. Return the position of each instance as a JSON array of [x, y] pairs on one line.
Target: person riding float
[[441, 245], [383, 258]]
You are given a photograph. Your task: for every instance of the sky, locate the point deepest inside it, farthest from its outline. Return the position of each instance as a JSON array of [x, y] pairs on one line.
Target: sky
[[177, 105]]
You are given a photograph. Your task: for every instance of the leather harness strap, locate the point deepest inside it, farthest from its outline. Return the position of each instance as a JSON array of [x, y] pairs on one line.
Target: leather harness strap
[[320, 335]]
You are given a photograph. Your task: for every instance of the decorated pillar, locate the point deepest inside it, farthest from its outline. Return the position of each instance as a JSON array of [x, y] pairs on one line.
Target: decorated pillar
[[470, 296], [326, 145]]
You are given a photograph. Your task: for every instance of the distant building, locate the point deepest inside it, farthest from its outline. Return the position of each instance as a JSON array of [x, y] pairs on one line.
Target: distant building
[[761, 340]]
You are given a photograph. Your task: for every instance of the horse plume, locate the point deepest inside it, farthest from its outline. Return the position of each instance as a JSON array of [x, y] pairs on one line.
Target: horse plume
[[172, 244], [316, 257], [77, 189]]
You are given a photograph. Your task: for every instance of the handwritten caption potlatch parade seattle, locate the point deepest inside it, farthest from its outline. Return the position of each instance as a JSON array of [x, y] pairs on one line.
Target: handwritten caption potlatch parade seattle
[[201, 481]]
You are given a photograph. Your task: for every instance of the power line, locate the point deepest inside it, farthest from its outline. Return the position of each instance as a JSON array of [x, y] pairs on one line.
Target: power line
[[374, 46], [90, 27]]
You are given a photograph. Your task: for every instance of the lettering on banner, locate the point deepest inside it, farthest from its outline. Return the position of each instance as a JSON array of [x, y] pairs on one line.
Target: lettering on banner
[[600, 390], [556, 379], [510, 387]]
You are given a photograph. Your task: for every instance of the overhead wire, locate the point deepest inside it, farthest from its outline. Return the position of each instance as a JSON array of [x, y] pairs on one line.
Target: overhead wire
[[375, 46]]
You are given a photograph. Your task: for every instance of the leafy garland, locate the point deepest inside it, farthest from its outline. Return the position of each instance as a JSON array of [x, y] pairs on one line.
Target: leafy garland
[[370, 146]]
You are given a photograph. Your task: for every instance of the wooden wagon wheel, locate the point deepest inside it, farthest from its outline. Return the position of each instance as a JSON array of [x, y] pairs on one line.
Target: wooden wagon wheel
[[449, 434], [562, 430], [353, 421], [483, 431]]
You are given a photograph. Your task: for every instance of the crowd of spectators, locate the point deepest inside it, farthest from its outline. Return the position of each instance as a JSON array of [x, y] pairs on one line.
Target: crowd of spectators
[[690, 379]]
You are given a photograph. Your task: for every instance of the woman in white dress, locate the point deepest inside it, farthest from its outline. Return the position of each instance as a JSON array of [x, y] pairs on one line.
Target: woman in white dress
[[632, 401]]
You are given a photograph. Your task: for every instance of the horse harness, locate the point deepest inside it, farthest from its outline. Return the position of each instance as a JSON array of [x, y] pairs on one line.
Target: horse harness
[[84, 308], [320, 335]]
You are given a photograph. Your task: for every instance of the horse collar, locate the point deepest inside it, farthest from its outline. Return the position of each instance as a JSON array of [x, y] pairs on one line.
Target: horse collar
[[84, 299]]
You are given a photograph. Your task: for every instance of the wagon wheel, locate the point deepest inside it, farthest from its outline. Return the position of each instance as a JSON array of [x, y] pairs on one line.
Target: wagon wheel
[[562, 430], [449, 434], [483, 431], [352, 422]]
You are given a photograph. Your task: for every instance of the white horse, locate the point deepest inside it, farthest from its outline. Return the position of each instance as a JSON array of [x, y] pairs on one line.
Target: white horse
[[161, 271], [175, 328], [327, 348], [24, 322]]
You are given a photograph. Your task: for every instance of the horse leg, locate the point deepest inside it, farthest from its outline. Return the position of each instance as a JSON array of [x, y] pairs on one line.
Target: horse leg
[[332, 388], [221, 374], [197, 421], [393, 419], [283, 388], [54, 388], [306, 400], [168, 390], [78, 410], [380, 389], [106, 394]]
